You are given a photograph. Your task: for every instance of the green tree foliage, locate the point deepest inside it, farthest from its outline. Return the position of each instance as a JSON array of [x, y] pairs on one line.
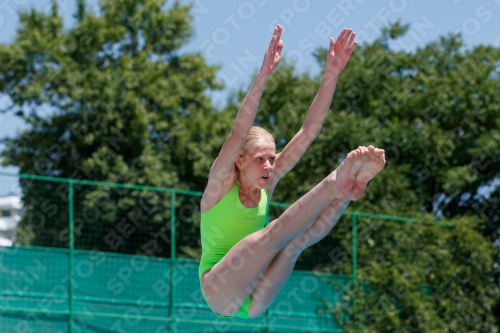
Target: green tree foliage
[[121, 105], [419, 277]]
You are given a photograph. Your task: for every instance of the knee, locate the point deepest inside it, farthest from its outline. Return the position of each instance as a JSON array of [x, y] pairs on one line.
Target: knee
[[293, 249], [265, 238], [299, 243], [271, 236]]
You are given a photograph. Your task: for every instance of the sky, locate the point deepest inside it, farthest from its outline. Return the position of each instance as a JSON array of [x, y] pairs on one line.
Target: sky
[[234, 34]]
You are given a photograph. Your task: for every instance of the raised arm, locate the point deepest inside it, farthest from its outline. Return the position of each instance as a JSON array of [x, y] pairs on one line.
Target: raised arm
[[221, 176], [248, 110], [339, 53]]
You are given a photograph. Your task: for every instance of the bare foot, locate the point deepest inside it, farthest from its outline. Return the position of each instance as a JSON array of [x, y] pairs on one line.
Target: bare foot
[[372, 165], [345, 174]]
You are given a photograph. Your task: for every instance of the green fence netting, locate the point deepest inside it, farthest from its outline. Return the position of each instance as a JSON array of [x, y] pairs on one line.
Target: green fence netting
[[125, 293], [103, 257]]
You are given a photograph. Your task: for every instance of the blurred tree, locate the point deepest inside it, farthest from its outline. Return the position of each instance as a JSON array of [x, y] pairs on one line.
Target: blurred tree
[[111, 99], [419, 277]]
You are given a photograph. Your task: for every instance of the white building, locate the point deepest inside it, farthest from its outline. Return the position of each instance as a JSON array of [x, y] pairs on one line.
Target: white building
[[10, 214]]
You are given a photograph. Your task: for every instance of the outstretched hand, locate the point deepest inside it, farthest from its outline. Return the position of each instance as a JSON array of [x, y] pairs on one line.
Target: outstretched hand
[[340, 51], [273, 52]]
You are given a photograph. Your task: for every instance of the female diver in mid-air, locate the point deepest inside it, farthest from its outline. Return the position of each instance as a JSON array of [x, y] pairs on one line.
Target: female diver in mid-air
[[245, 263]]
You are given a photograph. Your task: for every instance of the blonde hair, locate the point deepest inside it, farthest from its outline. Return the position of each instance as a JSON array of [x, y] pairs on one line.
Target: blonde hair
[[256, 136]]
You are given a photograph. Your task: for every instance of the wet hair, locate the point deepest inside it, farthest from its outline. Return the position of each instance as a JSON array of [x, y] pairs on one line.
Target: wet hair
[[255, 137]]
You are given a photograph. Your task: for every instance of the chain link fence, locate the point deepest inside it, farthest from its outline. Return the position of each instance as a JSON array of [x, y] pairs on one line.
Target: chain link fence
[[102, 257]]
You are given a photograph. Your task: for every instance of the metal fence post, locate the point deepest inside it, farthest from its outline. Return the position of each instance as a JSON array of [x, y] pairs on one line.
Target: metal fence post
[[71, 254], [268, 324], [172, 260], [354, 248], [354, 258]]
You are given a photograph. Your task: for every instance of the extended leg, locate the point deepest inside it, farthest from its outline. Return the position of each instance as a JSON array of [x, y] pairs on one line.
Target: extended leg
[[281, 267], [233, 278]]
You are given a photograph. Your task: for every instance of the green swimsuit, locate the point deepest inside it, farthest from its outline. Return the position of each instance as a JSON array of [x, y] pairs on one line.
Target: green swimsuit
[[224, 225]]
